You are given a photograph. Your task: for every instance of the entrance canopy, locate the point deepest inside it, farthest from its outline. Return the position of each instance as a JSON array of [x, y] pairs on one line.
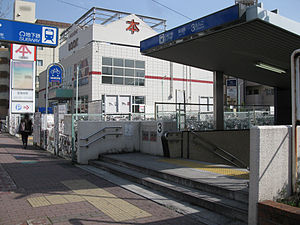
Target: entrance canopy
[[249, 43]]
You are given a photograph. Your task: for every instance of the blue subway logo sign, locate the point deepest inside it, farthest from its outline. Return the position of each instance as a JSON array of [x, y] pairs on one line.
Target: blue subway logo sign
[[28, 33]]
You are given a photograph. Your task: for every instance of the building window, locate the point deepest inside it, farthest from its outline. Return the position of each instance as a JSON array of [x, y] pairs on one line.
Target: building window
[[39, 62], [138, 104], [123, 71], [3, 60], [118, 62], [129, 63], [206, 104], [4, 74], [106, 61]]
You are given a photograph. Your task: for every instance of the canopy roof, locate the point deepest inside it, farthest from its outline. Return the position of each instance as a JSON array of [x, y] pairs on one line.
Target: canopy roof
[[234, 47]]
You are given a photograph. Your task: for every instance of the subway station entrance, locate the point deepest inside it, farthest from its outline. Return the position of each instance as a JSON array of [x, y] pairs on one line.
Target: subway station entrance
[[249, 43]]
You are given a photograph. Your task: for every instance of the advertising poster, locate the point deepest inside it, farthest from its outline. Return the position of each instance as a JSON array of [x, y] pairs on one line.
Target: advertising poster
[[23, 74]]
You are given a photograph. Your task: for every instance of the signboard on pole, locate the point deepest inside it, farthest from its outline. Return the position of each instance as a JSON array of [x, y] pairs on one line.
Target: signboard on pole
[[55, 72], [22, 79], [23, 52], [22, 107], [22, 95], [22, 74], [28, 33]]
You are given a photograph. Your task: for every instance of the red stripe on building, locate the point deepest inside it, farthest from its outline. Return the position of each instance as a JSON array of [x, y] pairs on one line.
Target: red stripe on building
[[34, 53], [11, 51], [94, 73], [179, 79]]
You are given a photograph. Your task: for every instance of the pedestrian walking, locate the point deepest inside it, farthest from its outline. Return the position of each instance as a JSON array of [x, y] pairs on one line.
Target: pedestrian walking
[[25, 129]]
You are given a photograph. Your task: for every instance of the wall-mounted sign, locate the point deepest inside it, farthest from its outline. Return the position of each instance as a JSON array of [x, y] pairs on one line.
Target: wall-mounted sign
[[55, 72], [133, 26], [22, 107], [28, 33], [23, 52], [73, 44]]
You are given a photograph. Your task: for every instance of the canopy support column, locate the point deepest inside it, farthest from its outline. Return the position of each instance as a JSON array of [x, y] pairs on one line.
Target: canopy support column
[[219, 100]]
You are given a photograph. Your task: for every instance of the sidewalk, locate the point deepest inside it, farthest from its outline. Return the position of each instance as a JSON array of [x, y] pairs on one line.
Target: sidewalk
[[38, 188]]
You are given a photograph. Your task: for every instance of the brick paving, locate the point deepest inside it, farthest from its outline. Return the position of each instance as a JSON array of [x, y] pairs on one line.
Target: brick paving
[[29, 174]]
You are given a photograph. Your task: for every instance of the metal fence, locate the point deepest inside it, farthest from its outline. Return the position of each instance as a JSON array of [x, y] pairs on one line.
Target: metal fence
[[193, 117]]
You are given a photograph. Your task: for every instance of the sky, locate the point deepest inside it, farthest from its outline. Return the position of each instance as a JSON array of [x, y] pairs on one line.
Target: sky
[[70, 10]]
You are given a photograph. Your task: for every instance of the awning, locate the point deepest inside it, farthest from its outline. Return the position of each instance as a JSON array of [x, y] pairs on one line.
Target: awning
[[60, 94], [235, 50]]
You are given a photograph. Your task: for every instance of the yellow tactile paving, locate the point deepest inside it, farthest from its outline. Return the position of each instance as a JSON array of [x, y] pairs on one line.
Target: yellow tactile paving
[[38, 201], [210, 168], [73, 198], [114, 207], [56, 199]]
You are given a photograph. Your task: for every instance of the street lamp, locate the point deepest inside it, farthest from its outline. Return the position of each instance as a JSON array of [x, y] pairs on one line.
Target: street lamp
[[77, 72]]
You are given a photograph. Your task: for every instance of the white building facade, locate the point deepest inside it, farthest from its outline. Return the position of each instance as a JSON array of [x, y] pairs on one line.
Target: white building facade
[[111, 69]]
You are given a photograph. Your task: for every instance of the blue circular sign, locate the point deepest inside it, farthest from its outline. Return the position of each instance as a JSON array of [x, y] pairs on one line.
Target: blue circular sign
[[18, 107], [55, 72]]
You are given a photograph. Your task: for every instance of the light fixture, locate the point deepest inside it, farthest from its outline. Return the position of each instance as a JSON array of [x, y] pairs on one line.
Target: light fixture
[[269, 67]]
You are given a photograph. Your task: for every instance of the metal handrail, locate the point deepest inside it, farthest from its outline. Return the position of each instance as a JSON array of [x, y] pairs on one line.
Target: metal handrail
[[91, 135], [101, 137], [222, 150]]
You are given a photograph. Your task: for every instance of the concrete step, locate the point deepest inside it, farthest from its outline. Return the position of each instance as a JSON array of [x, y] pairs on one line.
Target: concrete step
[[237, 195], [199, 214], [231, 209]]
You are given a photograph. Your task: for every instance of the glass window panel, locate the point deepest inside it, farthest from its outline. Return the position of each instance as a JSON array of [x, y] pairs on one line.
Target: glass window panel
[[136, 108], [129, 81], [140, 64], [129, 63], [129, 72], [106, 61], [118, 80], [136, 82], [40, 62], [106, 70], [106, 80], [140, 73], [118, 62], [141, 82], [118, 71], [139, 100]]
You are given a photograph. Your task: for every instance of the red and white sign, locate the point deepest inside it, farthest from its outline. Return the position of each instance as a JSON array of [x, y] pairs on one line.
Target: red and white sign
[[23, 52], [22, 107]]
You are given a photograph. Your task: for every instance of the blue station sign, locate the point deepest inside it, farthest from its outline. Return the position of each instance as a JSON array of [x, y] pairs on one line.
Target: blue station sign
[[55, 72], [28, 33], [200, 25]]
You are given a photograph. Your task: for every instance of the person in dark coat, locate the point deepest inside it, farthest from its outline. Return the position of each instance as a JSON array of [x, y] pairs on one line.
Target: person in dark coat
[[25, 129]]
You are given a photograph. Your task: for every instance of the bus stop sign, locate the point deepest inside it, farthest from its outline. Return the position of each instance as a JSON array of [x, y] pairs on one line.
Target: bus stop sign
[[28, 33]]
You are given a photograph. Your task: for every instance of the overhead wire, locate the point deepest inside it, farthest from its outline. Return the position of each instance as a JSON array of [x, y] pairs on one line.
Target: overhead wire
[[173, 10], [74, 5]]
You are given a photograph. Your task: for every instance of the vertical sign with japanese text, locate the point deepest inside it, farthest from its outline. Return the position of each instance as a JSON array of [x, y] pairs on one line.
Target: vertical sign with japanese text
[[22, 78]]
